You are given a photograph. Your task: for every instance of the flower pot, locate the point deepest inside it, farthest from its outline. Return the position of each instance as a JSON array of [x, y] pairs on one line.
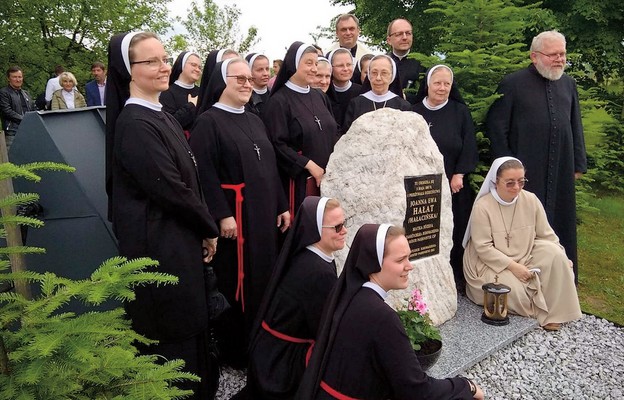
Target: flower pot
[[429, 353]]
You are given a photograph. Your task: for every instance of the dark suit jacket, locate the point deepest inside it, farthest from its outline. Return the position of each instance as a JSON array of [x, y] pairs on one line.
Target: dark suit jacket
[[93, 94]]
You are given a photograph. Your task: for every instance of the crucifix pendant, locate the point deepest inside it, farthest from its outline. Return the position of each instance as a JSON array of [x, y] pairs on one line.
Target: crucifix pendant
[[318, 121], [507, 237], [257, 149]]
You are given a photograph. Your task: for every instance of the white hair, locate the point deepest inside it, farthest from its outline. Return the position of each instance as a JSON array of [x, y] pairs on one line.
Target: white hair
[[538, 41]]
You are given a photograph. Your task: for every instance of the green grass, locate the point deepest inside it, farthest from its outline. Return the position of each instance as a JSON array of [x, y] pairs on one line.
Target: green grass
[[601, 259]]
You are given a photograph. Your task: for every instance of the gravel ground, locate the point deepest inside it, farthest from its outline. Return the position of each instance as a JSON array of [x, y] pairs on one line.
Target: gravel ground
[[584, 360]]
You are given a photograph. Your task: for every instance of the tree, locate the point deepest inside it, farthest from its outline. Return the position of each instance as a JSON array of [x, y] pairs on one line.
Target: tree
[[39, 34], [210, 27], [49, 353]]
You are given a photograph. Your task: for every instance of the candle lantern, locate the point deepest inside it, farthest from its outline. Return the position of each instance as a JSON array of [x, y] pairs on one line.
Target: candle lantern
[[495, 303]]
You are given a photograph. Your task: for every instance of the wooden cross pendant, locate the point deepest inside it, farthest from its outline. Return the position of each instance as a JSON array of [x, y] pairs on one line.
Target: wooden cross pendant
[[507, 237]]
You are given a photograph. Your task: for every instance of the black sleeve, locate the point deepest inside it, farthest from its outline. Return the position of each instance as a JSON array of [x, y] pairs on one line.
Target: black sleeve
[[469, 156], [206, 146], [276, 117], [498, 121], [185, 115], [146, 156], [402, 369], [7, 112]]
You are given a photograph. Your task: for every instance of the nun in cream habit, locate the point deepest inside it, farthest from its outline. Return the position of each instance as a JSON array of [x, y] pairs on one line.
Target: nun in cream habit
[[508, 237]]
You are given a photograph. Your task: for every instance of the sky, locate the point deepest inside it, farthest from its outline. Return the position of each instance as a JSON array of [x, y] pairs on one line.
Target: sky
[[279, 22]]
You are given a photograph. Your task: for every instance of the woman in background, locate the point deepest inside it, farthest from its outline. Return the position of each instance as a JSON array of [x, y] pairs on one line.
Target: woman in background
[[301, 125], [452, 128], [67, 98], [380, 90], [180, 100]]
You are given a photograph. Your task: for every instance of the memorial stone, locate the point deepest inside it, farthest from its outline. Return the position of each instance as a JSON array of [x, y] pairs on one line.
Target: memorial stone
[[388, 169]]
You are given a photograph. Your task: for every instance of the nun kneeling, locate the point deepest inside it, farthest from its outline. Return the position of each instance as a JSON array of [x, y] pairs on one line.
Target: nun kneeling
[[362, 350]]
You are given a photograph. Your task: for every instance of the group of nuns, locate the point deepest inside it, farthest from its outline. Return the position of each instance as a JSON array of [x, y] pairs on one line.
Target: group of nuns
[[201, 184]]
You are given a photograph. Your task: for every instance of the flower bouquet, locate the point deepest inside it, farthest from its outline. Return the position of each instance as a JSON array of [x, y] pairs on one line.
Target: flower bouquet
[[415, 319]]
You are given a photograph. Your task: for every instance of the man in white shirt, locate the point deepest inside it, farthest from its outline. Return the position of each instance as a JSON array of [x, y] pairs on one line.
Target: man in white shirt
[[53, 85]]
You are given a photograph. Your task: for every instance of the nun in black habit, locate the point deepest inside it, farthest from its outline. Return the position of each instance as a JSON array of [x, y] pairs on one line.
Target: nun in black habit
[[381, 89], [214, 57], [238, 173], [259, 65], [300, 123], [452, 128], [342, 89], [362, 350], [180, 100], [290, 314], [157, 206]]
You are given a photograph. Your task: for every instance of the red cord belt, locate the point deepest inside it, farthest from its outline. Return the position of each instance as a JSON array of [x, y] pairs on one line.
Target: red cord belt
[[240, 240], [334, 393], [290, 339]]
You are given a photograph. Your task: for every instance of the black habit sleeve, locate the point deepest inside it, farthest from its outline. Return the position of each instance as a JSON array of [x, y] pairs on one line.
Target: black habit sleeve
[[143, 154], [206, 146], [278, 118], [175, 102]]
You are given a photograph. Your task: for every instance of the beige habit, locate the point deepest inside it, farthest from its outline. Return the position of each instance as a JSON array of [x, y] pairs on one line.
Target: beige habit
[[550, 296]]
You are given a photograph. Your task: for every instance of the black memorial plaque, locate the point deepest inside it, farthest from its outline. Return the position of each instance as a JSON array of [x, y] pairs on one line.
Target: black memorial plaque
[[422, 218]]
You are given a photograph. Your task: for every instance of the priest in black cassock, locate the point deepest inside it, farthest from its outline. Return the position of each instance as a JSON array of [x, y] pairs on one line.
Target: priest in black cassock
[[538, 121], [180, 100], [291, 310], [341, 89], [452, 128], [400, 37], [362, 350], [300, 123], [238, 172], [157, 207], [381, 89]]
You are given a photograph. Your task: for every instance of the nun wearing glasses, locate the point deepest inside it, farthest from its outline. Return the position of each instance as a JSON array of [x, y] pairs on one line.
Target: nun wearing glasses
[[509, 239]]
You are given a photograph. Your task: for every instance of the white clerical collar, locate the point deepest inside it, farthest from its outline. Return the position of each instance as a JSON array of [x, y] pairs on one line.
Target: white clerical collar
[[400, 57], [261, 91], [144, 103], [184, 85], [297, 88], [319, 253], [229, 109], [433, 108], [379, 98], [376, 288], [343, 88]]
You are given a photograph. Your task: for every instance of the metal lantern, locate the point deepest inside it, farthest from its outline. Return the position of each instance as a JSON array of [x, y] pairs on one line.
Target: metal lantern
[[495, 303]]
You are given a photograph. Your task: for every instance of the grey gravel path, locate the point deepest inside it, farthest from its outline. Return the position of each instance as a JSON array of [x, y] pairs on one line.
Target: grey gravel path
[[584, 360]]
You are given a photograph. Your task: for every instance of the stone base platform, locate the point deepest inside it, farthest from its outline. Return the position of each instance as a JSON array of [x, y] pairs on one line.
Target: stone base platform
[[466, 340]]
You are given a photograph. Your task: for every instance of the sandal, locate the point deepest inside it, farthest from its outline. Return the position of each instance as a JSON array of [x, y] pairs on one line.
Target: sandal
[[552, 326]]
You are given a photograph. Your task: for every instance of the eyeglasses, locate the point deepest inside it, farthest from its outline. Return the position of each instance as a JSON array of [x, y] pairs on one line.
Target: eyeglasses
[[241, 79], [520, 182], [399, 34], [345, 66], [195, 65], [155, 62], [338, 227], [553, 56], [383, 74]]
